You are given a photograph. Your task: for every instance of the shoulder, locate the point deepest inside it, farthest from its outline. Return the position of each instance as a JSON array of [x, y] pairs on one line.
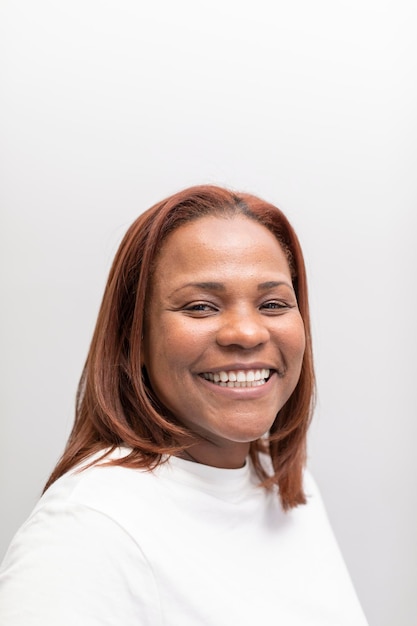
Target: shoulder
[[82, 507], [135, 499], [311, 487], [90, 506], [76, 551], [98, 485]]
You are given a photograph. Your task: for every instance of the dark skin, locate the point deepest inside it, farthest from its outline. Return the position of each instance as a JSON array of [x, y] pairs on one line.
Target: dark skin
[[222, 306]]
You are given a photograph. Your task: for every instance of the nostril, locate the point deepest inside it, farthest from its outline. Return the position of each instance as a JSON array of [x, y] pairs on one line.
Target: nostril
[[242, 333]]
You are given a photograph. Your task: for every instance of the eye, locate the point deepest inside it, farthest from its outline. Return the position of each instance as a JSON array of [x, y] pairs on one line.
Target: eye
[[200, 309], [275, 306]]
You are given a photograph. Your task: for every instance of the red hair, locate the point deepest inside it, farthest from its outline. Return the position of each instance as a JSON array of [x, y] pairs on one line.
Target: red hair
[[115, 404]]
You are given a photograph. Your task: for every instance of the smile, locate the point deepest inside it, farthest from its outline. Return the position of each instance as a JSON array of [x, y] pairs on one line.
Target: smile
[[239, 378]]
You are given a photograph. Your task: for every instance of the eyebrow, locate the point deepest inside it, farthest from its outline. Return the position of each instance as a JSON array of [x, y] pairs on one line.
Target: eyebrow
[[209, 285], [270, 284], [214, 286]]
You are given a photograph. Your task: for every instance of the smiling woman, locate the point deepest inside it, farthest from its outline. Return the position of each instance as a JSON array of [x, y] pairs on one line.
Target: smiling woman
[[214, 326], [178, 492]]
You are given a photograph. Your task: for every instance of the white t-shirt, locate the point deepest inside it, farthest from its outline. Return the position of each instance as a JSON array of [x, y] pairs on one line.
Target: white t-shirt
[[183, 545]]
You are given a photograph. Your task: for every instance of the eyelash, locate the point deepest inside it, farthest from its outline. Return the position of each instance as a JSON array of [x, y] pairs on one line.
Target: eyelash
[[276, 305], [204, 307], [198, 307]]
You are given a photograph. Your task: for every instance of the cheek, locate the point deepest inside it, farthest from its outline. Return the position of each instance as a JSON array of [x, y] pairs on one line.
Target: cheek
[[169, 345], [300, 338], [294, 342]]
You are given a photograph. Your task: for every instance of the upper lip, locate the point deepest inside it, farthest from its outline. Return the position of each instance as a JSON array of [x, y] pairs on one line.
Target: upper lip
[[235, 367]]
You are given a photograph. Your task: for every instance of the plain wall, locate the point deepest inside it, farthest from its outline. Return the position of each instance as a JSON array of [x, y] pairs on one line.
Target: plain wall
[[109, 106]]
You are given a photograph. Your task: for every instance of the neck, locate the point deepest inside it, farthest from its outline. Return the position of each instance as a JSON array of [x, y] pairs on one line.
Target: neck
[[230, 458]]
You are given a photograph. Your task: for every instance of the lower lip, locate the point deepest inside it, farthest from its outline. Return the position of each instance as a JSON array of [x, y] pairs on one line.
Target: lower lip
[[241, 392]]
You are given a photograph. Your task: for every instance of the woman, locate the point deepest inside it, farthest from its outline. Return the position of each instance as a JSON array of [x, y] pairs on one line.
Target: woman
[[177, 498]]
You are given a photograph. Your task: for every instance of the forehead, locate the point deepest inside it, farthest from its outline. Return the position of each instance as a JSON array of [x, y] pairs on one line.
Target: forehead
[[225, 245]]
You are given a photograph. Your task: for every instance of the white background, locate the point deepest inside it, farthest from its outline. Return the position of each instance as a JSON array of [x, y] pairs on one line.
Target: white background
[[110, 105]]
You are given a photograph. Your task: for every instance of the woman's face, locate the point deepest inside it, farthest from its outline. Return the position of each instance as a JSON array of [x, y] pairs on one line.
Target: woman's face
[[224, 338]]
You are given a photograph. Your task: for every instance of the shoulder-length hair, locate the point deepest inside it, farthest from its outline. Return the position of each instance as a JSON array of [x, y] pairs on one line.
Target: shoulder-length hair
[[115, 404]]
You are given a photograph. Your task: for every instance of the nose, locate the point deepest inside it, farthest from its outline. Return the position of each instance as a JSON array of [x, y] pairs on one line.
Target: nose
[[244, 329]]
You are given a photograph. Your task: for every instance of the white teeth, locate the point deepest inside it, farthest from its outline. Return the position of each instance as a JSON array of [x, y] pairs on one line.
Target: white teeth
[[240, 378]]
